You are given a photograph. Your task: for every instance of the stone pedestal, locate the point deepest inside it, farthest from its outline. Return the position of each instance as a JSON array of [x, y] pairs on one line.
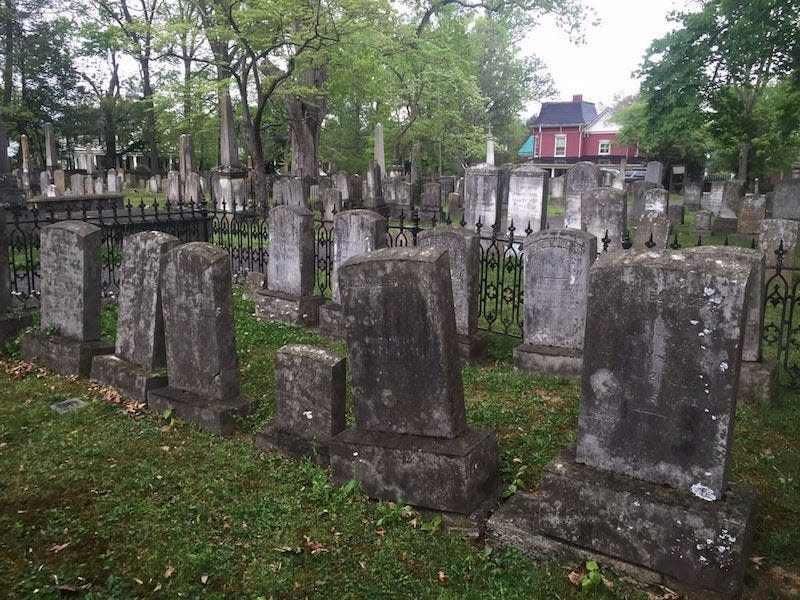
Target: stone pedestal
[[211, 414], [62, 355], [566, 362], [758, 381], [673, 539], [287, 308], [455, 474], [473, 348], [130, 379], [331, 321]]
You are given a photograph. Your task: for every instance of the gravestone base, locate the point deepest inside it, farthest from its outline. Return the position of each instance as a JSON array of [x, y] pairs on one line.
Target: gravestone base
[[62, 355], [726, 225], [702, 232], [130, 380], [757, 382], [391, 466], [667, 536], [428, 215], [472, 348], [216, 416], [331, 321], [291, 444], [548, 360], [11, 324], [287, 308]]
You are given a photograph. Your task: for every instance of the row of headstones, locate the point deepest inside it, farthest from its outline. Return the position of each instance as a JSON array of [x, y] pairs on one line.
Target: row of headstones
[[647, 483], [79, 184]]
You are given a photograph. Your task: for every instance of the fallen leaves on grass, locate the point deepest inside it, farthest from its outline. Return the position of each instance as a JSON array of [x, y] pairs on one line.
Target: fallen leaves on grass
[[59, 547], [168, 573], [21, 369], [664, 594], [109, 395]]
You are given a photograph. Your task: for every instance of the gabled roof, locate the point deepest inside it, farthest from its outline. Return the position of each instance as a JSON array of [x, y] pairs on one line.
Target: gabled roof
[[527, 147], [565, 113], [602, 123]]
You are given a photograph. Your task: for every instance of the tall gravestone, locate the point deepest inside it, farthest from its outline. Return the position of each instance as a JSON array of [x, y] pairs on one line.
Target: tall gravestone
[[50, 149], [355, 232], [24, 150], [527, 197], [779, 235], [202, 367], [732, 196], [647, 486], [482, 199], [12, 322], [309, 402], [380, 157], [373, 198], [752, 211], [557, 264], [652, 231], [637, 190], [291, 273], [431, 201], [692, 193], [654, 172], [786, 199], [411, 441], [604, 211], [581, 177], [69, 335], [228, 182], [463, 248], [140, 359]]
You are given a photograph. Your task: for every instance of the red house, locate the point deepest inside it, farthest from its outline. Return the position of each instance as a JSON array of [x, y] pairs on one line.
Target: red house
[[568, 132]]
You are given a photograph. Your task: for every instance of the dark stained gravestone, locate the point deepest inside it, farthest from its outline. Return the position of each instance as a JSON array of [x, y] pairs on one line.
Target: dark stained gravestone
[[604, 210], [140, 359], [652, 231], [202, 367], [786, 200], [309, 402], [411, 441], [70, 300], [557, 263]]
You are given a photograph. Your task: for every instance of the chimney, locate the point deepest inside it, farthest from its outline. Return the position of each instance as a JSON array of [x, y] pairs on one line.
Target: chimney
[[577, 98]]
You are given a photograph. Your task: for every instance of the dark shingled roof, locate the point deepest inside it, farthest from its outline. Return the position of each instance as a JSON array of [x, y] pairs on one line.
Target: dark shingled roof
[[565, 113]]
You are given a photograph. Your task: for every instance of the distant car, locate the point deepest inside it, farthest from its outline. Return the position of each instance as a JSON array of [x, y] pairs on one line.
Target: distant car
[[634, 176]]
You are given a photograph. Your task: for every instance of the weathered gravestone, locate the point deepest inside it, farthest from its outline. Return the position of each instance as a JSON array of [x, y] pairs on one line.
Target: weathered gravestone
[[12, 322], [202, 367], [455, 209], [732, 192], [637, 190], [786, 199], [702, 222], [173, 192], [139, 363], [288, 191], [758, 378], [59, 180], [654, 172], [99, 186], [779, 236], [291, 274], [373, 197], [557, 263], [647, 488], [411, 442], [652, 231], [70, 300], [656, 199], [331, 200], [527, 197], [463, 248], [341, 182], [88, 185], [604, 211], [483, 197], [675, 214], [557, 190], [431, 201], [692, 193], [752, 211], [113, 182], [399, 190], [581, 177], [309, 402], [76, 184], [354, 232]]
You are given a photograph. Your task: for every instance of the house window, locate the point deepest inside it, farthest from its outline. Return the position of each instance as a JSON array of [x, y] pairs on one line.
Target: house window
[[561, 146], [535, 151], [605, 147]]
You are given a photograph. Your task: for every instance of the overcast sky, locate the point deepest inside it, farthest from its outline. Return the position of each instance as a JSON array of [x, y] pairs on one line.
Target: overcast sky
[[602, 67]]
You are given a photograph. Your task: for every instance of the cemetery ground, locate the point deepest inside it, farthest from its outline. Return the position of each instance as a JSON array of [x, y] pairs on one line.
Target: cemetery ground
[[109, 501]]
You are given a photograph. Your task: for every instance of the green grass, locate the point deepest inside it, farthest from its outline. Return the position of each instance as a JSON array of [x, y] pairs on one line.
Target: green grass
[[151, 507]]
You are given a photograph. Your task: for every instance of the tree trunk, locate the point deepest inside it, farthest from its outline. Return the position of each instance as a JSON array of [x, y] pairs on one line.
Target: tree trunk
[[8, 32], [744, 152], [109, 132], [254, 147], [151, 115], [306, 114]]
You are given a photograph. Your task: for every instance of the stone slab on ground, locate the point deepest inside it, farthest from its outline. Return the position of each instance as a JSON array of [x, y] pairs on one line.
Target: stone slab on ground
[[454, 475], [215, 416], [60, 354], [130, 380], [287, 308]]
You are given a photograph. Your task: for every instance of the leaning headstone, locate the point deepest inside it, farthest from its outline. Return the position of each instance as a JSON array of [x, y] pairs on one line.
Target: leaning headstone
[[656, 199], [69, 335], [309, 402], [202, 367], [291, 274], [527, 197], [604, 211], [411, 428], [654, 172], [786, 199], [779, 236], [355, 232], [581, 177], [652, 231], [637, 190], [140, 360], [481, 202], [463, 248], [751, 213], [732, 192], [431, 201], [12, 322], [702, 222], [557, 264], [647, 487], [692, 193]]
